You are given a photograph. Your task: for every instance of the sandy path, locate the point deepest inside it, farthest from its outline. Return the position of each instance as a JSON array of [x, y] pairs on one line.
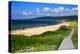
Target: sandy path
[[67, 42], [38, 30]]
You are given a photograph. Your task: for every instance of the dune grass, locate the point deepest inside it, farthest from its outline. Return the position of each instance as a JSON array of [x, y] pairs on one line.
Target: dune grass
[[75, 38], [75, 35], [43, 42], [74, 25]]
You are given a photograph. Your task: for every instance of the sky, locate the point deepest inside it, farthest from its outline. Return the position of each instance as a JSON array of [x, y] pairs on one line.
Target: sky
[[27, 10]]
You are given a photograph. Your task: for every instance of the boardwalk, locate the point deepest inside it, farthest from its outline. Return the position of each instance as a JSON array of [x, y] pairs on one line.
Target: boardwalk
[[67, 42]]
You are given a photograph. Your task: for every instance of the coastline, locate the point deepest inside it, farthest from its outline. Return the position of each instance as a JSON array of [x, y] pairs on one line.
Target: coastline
[[38, 30]]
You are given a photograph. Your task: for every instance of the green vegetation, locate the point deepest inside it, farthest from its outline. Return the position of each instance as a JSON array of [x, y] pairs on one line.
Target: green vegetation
[[75, 35], [43, 42], [74, 25], [75, 38]]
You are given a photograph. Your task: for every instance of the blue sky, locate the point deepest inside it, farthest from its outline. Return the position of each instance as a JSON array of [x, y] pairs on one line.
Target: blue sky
[[27, 10]]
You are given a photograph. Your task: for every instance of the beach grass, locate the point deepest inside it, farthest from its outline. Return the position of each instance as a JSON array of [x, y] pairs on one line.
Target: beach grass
[[75, 35], [75, 38], [44, 42], [74, 25]]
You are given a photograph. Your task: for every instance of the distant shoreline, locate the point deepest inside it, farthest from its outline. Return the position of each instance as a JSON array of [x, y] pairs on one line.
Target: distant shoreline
[[39, 21], [38, 30]]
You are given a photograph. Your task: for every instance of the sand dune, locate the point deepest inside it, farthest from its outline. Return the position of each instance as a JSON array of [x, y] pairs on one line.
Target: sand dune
[[38, 30]]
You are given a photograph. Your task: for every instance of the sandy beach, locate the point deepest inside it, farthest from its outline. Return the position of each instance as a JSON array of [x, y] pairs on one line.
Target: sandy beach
[[38, 30]]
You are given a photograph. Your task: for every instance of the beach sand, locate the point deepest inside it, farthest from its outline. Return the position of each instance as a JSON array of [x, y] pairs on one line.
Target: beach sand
[[38, 30]]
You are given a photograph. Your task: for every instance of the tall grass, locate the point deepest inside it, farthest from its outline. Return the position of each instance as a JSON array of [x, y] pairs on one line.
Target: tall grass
[[74, 25], [75, 35], [75, 38], [43, 42]]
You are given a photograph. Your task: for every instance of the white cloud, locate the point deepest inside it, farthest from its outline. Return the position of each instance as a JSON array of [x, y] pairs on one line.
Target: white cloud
[[75, 9], [59, 11], [26, 13], [55, 10], [46, 8], [48, 11], [61, 8], [38, 10], [67, 9]]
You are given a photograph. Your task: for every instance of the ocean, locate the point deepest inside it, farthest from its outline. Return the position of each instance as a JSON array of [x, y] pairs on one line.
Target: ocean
[[22, 24], [37, 22]]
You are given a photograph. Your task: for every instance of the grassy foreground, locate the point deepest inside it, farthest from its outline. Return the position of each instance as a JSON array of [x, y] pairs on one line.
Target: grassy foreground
[[43, 42]]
